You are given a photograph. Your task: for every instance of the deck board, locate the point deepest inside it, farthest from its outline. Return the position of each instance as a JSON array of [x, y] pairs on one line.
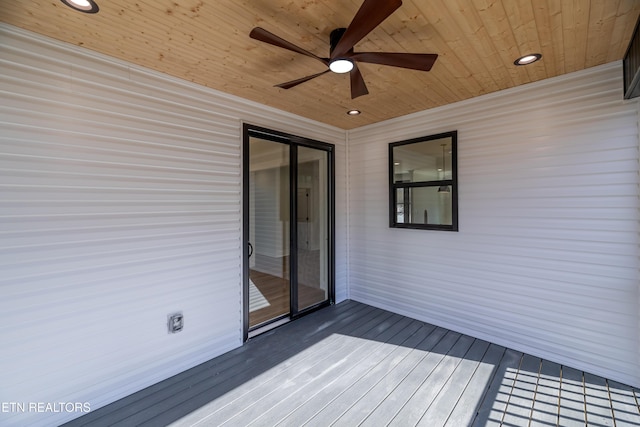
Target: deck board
[[352, 364], [344, 383], [496, 399], [545, 408], [571, 398], [429, 390], [469, 403], [598, 404], [339, 407], [442, 406], [371, 394], [625, 405], [522, 398], [274, 362], [284, 398], [357, 365]]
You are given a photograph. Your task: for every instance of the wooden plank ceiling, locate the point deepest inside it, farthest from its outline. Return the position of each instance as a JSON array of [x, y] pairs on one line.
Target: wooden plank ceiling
[[207, 42]]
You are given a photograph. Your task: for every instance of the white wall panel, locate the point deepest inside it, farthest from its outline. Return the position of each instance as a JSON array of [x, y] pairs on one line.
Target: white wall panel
[[120, 202], [546, 259]]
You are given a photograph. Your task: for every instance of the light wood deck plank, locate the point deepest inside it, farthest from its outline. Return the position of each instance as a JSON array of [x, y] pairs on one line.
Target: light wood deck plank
[[353, 364]]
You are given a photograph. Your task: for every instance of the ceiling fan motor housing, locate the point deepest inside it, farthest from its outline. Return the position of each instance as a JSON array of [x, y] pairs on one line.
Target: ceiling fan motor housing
[[335, 37]]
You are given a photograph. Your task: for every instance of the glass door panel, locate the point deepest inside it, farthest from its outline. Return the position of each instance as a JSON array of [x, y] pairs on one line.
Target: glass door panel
[[269, 231], [312, 227]]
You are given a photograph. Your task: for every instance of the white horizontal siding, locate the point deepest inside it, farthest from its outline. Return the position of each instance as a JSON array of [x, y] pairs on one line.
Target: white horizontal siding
[[120, 202], [546, 259], [343, 206]]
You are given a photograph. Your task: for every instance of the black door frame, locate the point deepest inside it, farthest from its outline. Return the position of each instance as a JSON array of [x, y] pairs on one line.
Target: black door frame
[[294, 142]]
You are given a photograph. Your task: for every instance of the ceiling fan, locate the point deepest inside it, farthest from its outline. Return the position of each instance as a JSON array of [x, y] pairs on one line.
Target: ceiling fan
[[342, 58]]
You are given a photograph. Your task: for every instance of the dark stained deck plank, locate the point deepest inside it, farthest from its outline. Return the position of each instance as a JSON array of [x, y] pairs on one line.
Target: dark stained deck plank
[[353, 364]]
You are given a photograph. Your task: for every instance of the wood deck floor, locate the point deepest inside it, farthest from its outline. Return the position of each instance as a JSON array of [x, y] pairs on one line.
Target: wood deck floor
[[352, 364]]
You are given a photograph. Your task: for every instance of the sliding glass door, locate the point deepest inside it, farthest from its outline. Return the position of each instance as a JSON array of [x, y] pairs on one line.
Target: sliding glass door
[[288, 220], [269, 224], [312, 227]]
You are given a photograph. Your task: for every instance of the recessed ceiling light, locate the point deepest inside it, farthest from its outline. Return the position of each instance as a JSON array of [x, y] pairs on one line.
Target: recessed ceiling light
[[341, 66], [353, 112], [86, 6], [527, 59]]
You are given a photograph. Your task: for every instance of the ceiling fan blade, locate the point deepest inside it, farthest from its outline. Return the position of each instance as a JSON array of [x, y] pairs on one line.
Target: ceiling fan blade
[[368, 17], [263, 35], [415, 61], [292, 83], [358, 87]]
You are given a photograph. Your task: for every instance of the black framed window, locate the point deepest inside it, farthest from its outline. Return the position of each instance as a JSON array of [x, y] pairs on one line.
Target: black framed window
[[423, 182]]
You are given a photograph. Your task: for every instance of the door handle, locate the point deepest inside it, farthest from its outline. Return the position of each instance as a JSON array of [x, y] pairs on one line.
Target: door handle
[[250, 249]]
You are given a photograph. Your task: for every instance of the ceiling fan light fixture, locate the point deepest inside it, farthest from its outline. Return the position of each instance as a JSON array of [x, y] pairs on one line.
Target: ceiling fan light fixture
[[341, 66], [86, 6], [353, 112], [528, 59]]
